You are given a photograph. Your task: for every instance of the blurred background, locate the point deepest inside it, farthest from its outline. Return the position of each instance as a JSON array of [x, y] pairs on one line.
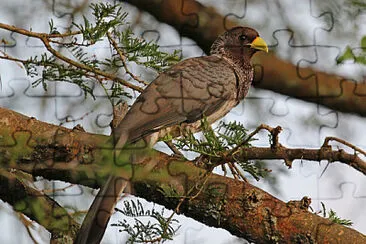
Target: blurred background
[[307, 34]]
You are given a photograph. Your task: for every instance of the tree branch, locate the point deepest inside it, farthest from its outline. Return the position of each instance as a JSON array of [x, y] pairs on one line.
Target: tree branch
[[37, 206], [239, 207], [204, 24], [278, 151], [46, 39], [290, 154], [123, 59]]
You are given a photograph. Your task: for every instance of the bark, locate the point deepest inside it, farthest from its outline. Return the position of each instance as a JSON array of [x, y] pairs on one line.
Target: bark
[[239, 207], [37, 206], [203, 24]]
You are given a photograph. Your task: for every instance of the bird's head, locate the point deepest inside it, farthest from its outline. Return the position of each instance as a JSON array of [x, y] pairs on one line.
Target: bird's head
[[238, 44]]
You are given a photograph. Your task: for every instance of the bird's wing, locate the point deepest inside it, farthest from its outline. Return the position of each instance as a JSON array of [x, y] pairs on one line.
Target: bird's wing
[[187, 91]]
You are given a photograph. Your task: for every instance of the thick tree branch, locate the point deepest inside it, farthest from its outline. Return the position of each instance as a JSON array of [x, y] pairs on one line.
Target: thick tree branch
[[37, 206], [204, 24], [239, 207]]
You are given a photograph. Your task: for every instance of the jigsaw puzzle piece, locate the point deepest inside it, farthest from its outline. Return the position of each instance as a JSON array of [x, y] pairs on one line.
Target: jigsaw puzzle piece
[[341, 190], [7, 40]]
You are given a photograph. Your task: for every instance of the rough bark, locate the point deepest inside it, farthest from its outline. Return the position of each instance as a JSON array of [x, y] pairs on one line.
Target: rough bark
[[203, 24], [37, 206], [239, 207]]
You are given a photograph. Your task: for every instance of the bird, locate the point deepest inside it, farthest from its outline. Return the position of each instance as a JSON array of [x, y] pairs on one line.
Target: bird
[[195, 88]]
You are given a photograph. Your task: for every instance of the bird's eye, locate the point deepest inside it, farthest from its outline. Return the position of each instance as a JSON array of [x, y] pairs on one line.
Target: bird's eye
[[242, 37]]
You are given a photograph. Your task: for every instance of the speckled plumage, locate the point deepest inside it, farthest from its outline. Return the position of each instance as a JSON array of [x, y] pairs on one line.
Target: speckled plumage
[[207, 86], [189, 90]]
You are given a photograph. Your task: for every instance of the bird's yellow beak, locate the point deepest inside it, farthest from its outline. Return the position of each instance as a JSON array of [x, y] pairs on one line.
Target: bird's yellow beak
[[259, 44]]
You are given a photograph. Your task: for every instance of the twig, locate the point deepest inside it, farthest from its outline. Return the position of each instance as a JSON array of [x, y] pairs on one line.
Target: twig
[[45, 38], [72, 43], [332, 138], [36, 34], [7, 57], [46, 42], [174, 149], [238, 172], [290, 154], [123, 59], [48, 191], [205, 178], [233, 170], [274, 132], [27, 223]]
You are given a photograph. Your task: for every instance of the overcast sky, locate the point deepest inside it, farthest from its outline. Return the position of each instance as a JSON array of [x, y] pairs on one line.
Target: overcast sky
[[305, 124]]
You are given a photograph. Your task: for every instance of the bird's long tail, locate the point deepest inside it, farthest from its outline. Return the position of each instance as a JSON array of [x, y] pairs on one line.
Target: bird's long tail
[[97, 218]]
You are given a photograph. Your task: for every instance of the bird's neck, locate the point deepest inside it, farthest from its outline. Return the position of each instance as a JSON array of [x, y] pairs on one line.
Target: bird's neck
[[240, 61], [245, 75], [244, 72]]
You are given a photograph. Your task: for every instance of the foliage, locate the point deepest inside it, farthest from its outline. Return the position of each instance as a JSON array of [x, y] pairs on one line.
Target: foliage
[[141, 232], [216, 144], [358, 3], [332, 216], [349, 54], [145, 53], [108, 25], [53, 71], [335, 219]]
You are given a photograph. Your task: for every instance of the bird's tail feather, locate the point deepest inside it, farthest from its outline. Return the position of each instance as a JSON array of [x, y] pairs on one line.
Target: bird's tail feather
[[97, 218]]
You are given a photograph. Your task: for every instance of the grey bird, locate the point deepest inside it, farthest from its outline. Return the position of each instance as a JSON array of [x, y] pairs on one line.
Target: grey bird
[[208, 86]]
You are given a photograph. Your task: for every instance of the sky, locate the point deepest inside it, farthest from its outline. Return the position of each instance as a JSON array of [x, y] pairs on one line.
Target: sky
[[341, 188]]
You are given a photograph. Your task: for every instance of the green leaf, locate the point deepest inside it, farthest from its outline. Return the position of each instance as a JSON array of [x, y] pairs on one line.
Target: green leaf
[[335, 219], [216, 143], [359, 4], [155, 226], [107, 19], [361, 59], [347, 55], [363, 43]]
